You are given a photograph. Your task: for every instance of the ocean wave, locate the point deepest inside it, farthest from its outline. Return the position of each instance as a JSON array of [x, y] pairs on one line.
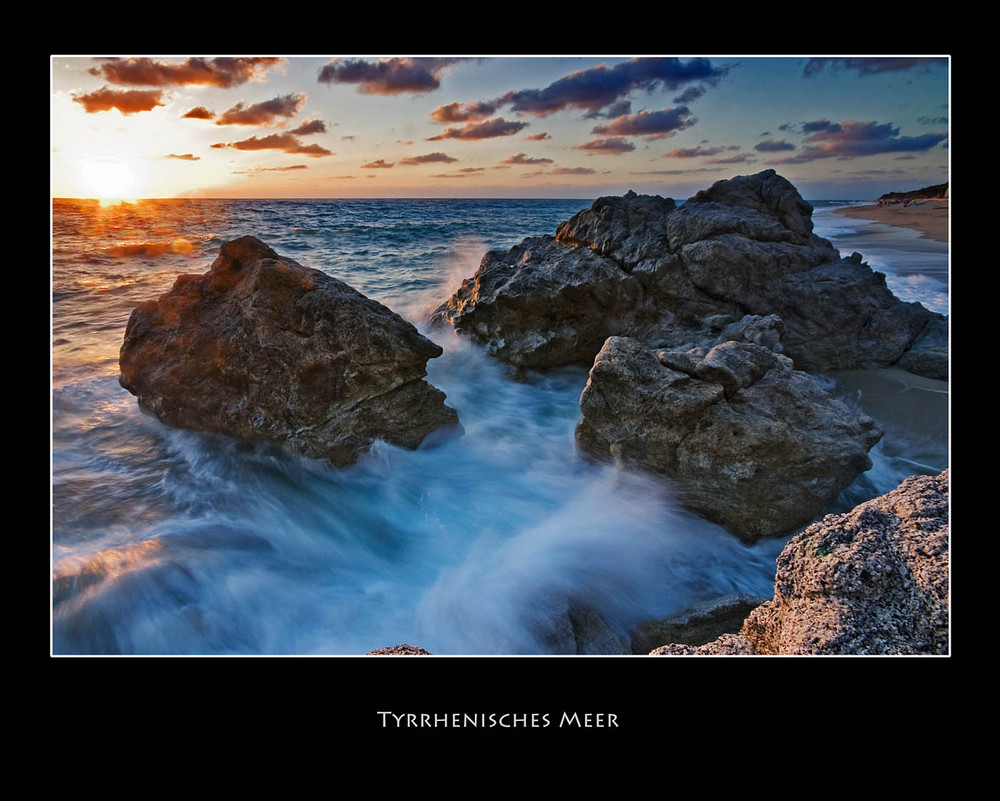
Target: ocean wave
[[169, 541]]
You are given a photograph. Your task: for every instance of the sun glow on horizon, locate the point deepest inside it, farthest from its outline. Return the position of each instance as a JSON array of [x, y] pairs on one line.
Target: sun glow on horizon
[[108, 178]]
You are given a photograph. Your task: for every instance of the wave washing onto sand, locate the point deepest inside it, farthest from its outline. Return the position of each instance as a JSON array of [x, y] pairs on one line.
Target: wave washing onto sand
[[916, 268]]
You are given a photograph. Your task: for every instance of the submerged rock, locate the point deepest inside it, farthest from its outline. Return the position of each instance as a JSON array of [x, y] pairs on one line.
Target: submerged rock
[[871, 581], [642, 267], [264, 348], [699, 625], [752, 443], [576, 627]]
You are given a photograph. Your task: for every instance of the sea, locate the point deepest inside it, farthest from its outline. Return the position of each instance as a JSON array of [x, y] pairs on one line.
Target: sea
[[167, 542]]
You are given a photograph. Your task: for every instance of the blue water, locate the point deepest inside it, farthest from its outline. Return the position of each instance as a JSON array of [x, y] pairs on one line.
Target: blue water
[[174, 542]]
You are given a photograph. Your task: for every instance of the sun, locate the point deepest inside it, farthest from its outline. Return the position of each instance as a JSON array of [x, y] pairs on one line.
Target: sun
[[108, 178]]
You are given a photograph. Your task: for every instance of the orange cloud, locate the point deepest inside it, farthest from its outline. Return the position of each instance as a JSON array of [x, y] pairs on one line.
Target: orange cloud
[[127, 101], [198, 113], [270, 169], [463, 112], [221, 72], [280, 141]]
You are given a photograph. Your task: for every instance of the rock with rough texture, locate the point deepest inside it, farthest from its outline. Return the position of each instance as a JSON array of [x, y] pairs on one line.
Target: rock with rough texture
[[872, 581], [262, 348], [764, 206], [628, 229], [543, 303], [643, 267], [752, 444], [400, 650], [725, 645]]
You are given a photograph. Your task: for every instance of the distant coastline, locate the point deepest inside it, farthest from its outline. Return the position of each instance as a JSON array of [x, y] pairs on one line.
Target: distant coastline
[[930, 217]]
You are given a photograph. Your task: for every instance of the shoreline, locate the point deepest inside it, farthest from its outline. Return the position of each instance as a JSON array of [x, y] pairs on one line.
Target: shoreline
[[929, 217]]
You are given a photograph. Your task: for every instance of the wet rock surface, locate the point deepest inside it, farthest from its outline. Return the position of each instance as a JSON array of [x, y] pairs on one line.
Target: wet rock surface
[[699, 625], [576, 627], [263, 348]]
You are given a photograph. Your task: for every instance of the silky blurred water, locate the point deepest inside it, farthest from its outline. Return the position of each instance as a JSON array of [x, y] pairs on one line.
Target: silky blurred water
[[174, 542]]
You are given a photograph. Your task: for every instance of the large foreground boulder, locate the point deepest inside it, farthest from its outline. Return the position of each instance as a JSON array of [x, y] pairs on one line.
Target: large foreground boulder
[[643, 267], [263, 348], [871, 581], [752, 443]]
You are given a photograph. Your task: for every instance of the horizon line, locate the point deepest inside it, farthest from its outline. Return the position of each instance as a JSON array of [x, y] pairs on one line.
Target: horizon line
[[590, 198]]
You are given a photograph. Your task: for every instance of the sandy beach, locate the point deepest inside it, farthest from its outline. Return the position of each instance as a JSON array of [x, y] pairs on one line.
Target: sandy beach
[[930, 217]]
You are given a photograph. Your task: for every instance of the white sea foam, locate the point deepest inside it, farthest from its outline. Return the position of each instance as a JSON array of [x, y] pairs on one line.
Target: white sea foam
[[473, 545]]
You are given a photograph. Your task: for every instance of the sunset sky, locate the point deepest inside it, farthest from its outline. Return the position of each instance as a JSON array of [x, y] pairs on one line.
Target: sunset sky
[[496, 126]]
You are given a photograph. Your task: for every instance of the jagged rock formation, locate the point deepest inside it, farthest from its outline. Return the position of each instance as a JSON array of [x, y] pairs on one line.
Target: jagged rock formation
[[543, 304], [263, 348], [753, 444], [642, 267], [872, 581]]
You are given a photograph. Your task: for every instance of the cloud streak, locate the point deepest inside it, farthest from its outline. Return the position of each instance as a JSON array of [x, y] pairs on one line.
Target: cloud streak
[[219, 72], [199, 113], [263, 113], [488, 129], [523, 158], [285, 142], [651, 124], [697, 152], [597, 88], [739, 158], [127, 101], [854, 139], [464, 112], [428, 158], [388, 76], [867, 65], [310, 127], [773, 146], [612, 145]]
